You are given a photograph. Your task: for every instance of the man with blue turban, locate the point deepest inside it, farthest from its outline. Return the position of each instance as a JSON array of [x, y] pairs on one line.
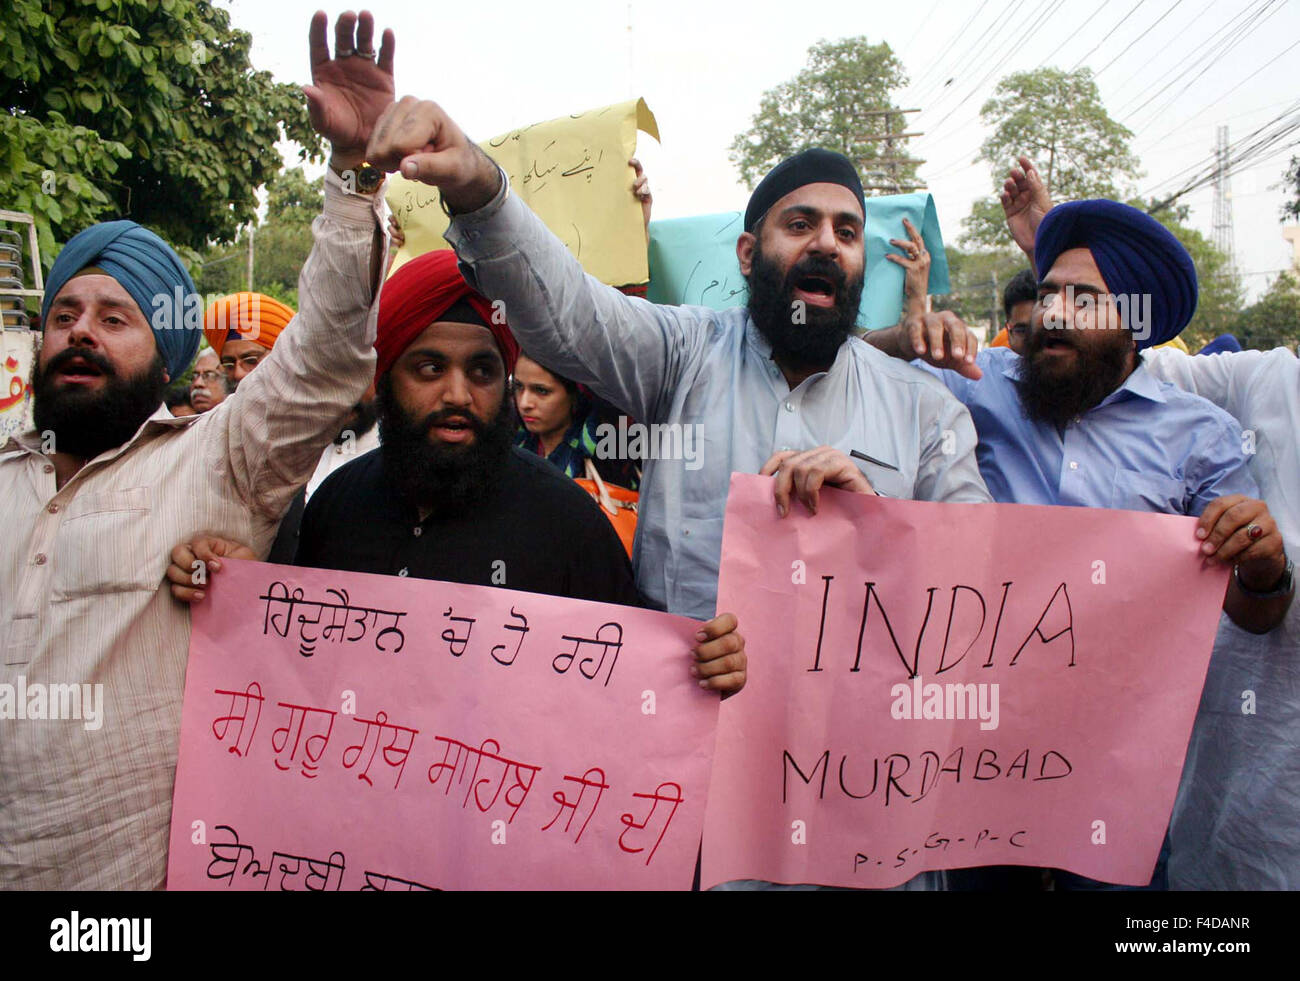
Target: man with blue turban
[[96, 495], [1080, 421], [91, 397]]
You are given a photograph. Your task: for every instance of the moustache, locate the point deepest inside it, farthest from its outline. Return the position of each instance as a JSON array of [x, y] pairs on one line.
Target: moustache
[[92, 358], [1039, 337], [434, 419], [819, 267]]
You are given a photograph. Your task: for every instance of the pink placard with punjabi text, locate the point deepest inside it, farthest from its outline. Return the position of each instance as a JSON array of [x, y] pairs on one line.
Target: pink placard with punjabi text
[[939, 686], [350, 731]]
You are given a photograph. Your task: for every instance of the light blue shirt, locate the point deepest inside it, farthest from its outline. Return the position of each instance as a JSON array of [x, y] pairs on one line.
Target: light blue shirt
[[709, 374], [1147, 447]]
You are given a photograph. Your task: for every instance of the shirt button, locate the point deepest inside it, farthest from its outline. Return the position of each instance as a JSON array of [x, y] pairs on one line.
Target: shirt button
[[53, 509], [418, 531], [48, 468], [686, 531], [789, 407], [39, 558], [403, 572], [1074, 465]]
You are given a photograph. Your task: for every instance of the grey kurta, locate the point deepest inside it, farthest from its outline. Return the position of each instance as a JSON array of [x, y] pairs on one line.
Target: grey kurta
[[709, 375]]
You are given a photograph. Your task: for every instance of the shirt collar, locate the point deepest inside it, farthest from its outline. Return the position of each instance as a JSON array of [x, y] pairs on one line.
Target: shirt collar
[[29, 441], [759, 343]]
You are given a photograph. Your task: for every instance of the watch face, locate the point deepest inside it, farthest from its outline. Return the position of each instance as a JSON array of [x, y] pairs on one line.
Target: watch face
[[369, 178]]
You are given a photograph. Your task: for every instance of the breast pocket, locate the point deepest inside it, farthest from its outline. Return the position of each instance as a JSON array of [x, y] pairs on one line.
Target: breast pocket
[[104, 545], [1138, 490]]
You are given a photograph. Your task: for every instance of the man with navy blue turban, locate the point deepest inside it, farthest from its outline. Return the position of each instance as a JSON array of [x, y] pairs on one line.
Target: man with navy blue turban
[[108, 481], [1080, 421]]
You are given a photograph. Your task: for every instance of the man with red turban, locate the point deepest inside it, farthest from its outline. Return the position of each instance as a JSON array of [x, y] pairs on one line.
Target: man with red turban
[[446, 495]]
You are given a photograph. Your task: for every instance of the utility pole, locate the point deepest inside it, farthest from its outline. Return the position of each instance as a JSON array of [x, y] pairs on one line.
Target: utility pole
[[250, 256], [993, 308], [1223, 198], [890, 179]]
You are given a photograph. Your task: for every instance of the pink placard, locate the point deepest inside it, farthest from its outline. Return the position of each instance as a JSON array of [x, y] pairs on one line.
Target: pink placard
[[349, 731], [949, 685]]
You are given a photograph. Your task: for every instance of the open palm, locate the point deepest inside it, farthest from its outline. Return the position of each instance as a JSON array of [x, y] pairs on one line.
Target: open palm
[[1025, 201], [349, 92]]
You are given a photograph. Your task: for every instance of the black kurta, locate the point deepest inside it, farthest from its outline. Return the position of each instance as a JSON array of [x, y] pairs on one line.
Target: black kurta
[[536, 530]]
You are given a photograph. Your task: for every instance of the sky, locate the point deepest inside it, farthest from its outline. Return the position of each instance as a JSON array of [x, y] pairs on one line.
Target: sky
[[1170, 70]]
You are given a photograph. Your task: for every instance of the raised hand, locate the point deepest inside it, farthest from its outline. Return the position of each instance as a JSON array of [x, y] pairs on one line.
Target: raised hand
[[422, 140], [916, 280], [350, 91], [641, 190], [1025, 201]]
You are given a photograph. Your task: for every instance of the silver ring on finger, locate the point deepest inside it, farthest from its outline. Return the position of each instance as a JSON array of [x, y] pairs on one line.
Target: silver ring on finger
[[367, 54], [1254, 532], [344, 53]]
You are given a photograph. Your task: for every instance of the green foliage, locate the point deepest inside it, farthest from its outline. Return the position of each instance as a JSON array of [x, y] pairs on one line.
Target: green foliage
[[281, 243], [978, 279], [1057, 119], [1273, 321], [1221, 298], [828, 104], [1291, 184], [147, 109]]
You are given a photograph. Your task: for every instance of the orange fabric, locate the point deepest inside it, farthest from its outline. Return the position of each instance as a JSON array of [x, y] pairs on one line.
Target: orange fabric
[[1002, 339], [254, 317]]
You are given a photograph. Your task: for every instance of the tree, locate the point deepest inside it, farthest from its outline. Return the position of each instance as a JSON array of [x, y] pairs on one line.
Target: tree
[[147, 109], [835, 102], [1275, 319], [1291, 184], [977, 280], [1221, 296], [280, 243], [1057, 119]]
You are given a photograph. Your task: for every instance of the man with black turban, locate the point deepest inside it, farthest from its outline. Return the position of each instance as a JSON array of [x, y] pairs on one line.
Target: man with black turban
[[780, 387], [109, 480], [1080, 421]]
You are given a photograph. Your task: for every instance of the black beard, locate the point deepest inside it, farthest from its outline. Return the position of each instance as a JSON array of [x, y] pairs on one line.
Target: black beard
[[815, 343], [1059, 399], [86, 424], [360, 422], [444, 479]]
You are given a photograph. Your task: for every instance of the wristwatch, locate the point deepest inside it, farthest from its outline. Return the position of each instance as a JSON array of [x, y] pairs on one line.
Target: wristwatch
[[364, 178], [1283, 586], [369, 178]]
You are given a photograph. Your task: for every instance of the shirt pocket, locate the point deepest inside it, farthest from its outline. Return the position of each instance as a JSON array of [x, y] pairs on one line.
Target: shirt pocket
[[1142, 490], [103, 545]]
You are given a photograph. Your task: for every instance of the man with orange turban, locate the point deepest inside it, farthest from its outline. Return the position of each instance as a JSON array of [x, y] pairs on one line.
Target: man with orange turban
[[242, 329]]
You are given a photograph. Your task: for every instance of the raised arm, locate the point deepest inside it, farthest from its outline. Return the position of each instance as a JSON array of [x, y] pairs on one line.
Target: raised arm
[[267, 438], [629, 351], [1025, 202]]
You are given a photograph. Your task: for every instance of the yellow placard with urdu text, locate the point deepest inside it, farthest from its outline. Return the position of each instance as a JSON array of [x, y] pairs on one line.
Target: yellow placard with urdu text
[[573, 172]]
